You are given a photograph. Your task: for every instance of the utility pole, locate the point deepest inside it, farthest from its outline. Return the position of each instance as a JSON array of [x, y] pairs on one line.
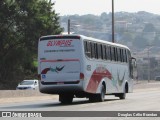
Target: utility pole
[[113, 21], [148, 65], [149, 62], [69, 26]]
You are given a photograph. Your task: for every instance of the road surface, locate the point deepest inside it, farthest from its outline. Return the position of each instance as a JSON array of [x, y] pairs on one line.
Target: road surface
[[140, 100], [147, 99]]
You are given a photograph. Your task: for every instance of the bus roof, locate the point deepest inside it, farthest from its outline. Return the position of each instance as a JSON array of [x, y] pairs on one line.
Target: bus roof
[[104, 41], [77, 36]]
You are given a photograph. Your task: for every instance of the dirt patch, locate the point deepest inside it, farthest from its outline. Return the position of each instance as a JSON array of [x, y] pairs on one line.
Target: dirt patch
[[27, 99], [144, 84], [19, 93]]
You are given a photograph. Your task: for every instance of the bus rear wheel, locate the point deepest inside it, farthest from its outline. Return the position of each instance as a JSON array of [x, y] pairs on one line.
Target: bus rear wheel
[[65, 99], [98, 97], [101, 96]]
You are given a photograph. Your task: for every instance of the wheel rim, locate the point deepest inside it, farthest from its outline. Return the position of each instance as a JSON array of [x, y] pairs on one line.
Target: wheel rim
[[103, 93]]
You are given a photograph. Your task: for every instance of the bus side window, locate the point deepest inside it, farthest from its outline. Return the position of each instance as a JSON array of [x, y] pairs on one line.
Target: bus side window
[[121, 55], [113, 53], [87, 48], [99, 51], [105, 52], [111, 56], [118, 59], [92, 50], [108, 52], [96, 50], [116, 55], [126, 56]]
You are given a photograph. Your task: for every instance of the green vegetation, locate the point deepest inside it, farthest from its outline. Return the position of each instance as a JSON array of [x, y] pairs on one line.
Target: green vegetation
[[21, 25]]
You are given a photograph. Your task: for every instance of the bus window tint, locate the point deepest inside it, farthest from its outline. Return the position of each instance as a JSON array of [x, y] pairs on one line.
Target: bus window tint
[[87, 48], [96, 50], [92, 50], [111, 56], [108, 52], [113, 53], [101, 51], [116, 55], [104, 52], [119, 54], [126, 56], [123, 55]]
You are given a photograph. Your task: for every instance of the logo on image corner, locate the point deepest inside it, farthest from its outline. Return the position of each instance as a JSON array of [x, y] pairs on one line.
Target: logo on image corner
[[6, 114]]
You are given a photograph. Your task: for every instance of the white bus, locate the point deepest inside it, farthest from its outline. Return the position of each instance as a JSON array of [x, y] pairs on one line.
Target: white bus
[[79, 66]]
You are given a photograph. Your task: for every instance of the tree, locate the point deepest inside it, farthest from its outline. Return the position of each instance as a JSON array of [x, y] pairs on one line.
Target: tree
[[22, 23], [127, 37], [149, 28], [140, 42], [156, 41], [104, 16]]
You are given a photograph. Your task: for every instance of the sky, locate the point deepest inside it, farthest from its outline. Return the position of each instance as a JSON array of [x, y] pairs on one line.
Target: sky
[[96, 7]]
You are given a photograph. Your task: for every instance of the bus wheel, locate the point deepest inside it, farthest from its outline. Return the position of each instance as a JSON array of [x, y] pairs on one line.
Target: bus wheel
[[101, 96], [98, 97], [122, 95], [65, 99]]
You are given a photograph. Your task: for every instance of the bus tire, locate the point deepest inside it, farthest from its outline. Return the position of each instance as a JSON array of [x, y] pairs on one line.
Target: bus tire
[[101, 96], [98, 97], [122, 95], [65, 99]]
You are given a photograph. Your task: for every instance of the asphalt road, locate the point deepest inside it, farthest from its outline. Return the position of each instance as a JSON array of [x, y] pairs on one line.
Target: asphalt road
[[147, 99], [139, 100]]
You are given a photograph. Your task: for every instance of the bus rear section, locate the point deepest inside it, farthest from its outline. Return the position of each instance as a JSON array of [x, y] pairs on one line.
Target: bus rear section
[[60, 66]]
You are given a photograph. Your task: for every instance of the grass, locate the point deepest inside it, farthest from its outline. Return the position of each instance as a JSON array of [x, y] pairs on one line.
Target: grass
[[35, 63]]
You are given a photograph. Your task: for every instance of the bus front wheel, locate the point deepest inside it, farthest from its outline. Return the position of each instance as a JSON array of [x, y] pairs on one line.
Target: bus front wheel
[[122, 95]]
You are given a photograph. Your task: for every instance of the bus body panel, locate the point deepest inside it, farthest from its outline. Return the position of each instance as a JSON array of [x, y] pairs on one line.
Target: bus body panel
[[60, 64], [64, 67], [60, 71], [114, 76]]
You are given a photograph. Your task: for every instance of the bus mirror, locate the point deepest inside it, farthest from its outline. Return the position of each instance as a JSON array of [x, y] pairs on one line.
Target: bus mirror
[[134, 63]]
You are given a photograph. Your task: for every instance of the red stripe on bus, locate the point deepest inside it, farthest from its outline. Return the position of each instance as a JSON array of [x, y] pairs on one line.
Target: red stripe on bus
[[60, 60], [96, 79]]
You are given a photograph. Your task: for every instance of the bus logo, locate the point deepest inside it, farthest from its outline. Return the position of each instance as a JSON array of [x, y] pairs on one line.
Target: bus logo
[[60, 43], [57, 69]]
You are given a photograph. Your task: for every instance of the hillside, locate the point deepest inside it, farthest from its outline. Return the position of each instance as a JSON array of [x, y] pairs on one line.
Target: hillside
[[135, 30], [139, 31]]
